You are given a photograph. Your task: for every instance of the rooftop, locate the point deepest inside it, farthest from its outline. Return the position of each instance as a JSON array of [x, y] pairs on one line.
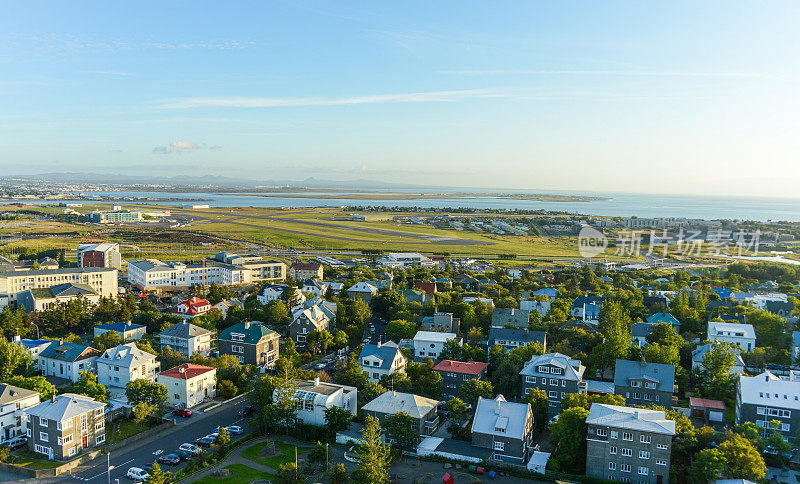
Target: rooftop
[[186, 371], [465, 367], [641, 419]]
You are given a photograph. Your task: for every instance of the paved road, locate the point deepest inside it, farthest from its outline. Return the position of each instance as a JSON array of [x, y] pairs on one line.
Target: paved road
[[143, 453]]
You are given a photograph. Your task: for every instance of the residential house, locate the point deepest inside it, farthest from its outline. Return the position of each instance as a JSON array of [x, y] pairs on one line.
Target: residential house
[[586, 308], [699, 355], [67, 360], [550, 292], [556, 374], [665, 318], [224, 306], [122, 364], [455, 373], [327, 307], [783, 309], [504, 427], [192, 307], [656, 302], [510, 317], [441, 322], [415, 296], [770, 402], [543, 307], [381, 359], [66, 426], [127, 330], [301, 271], [305, 321], [316, 287], [188, 384], [643, 383], [314, 397], [422, 410], [14, 402], [736, 334], [640, 332], [252, 342], [41, 298], [34, 347], [362, 290], [515, 338], [430, 344], [488, 302], [429, 288], [187, 338], [275, 292], [627, 444]]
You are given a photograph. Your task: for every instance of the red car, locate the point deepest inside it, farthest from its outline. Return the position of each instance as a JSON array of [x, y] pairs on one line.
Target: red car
[[182, 412]]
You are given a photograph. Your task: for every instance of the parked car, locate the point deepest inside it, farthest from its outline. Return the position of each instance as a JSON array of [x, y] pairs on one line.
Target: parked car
[[553, 420], [182, 412], [204, 442], [17, 442], [319, 366], [190, 448], [137, 473], [169, 459], [247, 411], [234, 430], [182, 455]]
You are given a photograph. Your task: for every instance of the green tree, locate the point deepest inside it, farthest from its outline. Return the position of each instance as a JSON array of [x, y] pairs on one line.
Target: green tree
[[568, 436], [717, 376], [457, 416], [401, 329], [226, 389], [156, 475], [337, 419], [288, 473], [141, 390], [36, 383], [14, 360], [665, 334], [285, 398], [708, 466], [371, 391], [540, 406], [352, 374], [742, 460], [171, 358], [658, 353], [109, 339], [400, 429], [474, 388], [615, 324], [143, 411], [89, 386], [338, 474], [583, 400], [374, 455], [223, 437]]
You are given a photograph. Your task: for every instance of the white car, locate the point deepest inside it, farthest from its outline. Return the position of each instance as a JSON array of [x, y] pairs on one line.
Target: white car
[[137, 473], [234, 429], [190, 448]]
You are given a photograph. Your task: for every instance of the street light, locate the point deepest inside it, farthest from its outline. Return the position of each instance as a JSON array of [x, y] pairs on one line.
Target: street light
[[37, 329], [108, 463], [326, 457]]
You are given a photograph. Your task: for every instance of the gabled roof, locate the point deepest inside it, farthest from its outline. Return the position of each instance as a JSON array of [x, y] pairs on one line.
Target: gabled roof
[[192, 306], [386, 352], [126, 355], [119, 327], [71, 289], [518, 335], [71, 352], [641, 330], [770, 390], [664, 318], [33, 343], [10, 393], [497, 413], [363, 287], [629, 418], [463, 367], [426, 287], [580, 301], [699, 354], [186, 371], [253, 332], [273, 288], [716, 327], [573, 370], [392, 403], [516, 317], [66, 406], [184, 330], [627, 370], [315, 315]]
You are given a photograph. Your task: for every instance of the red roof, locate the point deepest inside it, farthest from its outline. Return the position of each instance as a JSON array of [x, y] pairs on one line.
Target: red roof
[[186, 371], [426, 287], [193, 306], [703, 403], [467, 367]]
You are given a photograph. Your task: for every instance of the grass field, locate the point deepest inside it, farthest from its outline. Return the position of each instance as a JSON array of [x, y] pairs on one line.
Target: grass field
[[240, 474], [30, 460], [254, 453]]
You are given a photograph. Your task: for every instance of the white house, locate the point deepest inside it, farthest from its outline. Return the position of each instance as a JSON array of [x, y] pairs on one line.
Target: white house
[[314, 397], [187, 338], [127, 331], [274, 292], [533, 305], [67, 360], [124, 363], [734, 333], [316, 287], [431, 343], [34, 347], [13, 403], [189, 384], [381, 359]]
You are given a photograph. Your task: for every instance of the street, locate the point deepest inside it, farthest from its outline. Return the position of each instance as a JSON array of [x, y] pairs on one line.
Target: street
[[145, 452]]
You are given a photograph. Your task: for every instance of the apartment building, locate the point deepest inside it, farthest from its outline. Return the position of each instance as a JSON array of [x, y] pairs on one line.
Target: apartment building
[[743, 335], [556, 374], [643, 383], [187, 338], [120, 365], [66, 426], [301, 271], [252, 342], [314, 397], [430, 344], [152, 274], [769, 401], [41, 298], [504, 427], [105, 254], [101, 280], [14, 402], [188, 384], [422, 410], [628, 444], [260, 269], [455, 373]]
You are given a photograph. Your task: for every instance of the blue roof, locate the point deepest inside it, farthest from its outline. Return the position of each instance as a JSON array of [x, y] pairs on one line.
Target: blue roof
[[722, 292], [119, 327], [386, 352], [33, 343], [663, 318]]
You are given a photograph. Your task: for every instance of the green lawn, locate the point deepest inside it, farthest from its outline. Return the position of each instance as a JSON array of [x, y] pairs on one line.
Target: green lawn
[[31, 460], [122, 429], [287, 454], [241, 475]]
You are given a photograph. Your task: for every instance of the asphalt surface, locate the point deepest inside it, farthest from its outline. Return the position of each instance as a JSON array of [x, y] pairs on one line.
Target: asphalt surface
[[145, 452]]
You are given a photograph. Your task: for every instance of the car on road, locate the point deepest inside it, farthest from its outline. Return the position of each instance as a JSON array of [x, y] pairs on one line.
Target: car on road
[[190, 448], [137, 473], [183, 455], [169, 459], [182, 412], [234, 429], [16, 442], [247, 411], [204, 441]]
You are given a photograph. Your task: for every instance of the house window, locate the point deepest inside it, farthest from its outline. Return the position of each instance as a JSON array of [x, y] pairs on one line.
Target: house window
[[72, 451], [627, 436], [499, 445], [563, 383], [612, 450], [554, 382], [552, 394], [661, 462], [44, 437], [644, 471], [650, 385], [645, 439], [612, 466], [661, 446], [643, 454], [544, 369], [635, 384], [100, 438], [43, 422], [614, 434], [530, 379], [99, 426], [625, 467], [627, 452], [602, 432]]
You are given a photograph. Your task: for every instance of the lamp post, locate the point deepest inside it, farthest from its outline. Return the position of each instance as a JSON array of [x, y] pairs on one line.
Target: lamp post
[[37, 329], [326, 457], [108, 463]]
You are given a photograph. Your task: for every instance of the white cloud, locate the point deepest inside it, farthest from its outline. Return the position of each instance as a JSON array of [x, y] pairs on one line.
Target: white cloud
[[182, 146], [267, 102]]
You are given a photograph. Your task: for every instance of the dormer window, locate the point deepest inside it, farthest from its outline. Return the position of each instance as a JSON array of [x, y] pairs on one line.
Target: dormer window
[[237, 336], [544, 369]]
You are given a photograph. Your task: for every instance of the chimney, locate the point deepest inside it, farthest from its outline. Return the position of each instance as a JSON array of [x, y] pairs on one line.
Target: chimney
[[642, 361], [316, 381], [53, 398], [497, 407], [247, 325], [16, 338], [60, 342]]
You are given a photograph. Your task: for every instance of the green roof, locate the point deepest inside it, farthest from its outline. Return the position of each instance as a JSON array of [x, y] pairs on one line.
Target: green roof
[[252, 335]]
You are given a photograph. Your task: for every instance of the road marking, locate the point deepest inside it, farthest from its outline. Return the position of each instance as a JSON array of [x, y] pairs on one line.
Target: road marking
[[106, 471], [158, 452]]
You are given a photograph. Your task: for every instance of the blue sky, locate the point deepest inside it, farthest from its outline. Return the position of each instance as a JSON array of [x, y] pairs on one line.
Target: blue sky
[[677, 97]]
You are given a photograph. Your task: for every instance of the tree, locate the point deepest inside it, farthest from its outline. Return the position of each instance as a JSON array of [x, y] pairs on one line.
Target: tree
[[664, 333], [540, 406], [35, 383], [373, 465], [109, 339], [474, 388], [457, 416], [143, 411], [289, 473], [143, 391], [583, 400], [568, 436], [226, 389], [658, 353], [400, 428], [371, 391], [338, 474], [285, 398], [401, 329], [717, 376], [352, 374], [319, 340], [615, 324], [337, 419], [708, 466], [14, 359], [223, 437], [742, 460], [89, 386], [171, 358]]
